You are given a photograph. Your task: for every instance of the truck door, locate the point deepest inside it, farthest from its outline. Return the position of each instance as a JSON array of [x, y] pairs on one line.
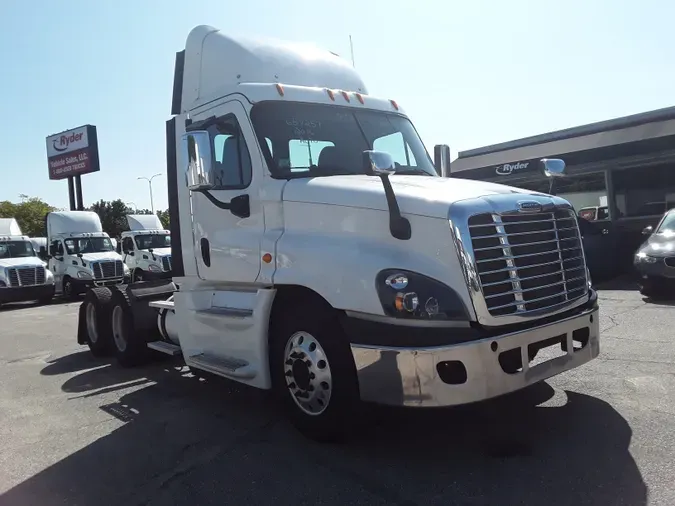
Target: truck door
[[228, 242], [56, 263]]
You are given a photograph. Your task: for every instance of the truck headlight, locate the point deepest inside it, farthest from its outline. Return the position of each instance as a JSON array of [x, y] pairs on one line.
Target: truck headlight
[[405, 294], [49, 275], [126, 269], [84, 275], [154, 268]]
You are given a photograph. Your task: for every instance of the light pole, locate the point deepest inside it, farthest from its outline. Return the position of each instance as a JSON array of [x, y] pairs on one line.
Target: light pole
[[134, 204], [152, 204]]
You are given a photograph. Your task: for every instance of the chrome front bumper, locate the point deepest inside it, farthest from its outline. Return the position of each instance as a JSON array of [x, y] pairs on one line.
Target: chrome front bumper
[[411, 377]]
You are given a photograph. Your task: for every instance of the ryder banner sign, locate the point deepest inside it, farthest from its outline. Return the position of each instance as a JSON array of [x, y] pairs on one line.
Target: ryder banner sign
[[73, 152]]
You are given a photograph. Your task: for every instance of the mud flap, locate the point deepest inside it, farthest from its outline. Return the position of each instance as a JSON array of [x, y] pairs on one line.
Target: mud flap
[[81, 325]]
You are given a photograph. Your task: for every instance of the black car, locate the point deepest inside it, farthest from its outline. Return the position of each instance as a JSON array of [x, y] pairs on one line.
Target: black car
[[655, 258]]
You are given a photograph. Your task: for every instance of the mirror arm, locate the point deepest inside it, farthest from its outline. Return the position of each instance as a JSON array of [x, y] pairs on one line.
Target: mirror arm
[[239, 206], [398, 225], [201, 125]]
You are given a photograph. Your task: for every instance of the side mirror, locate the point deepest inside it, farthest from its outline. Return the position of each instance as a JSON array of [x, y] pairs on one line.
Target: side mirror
[[442, 159], [378, 163], [42, 252], [53, 250], [649, 230], [552, 167], [197, 149]]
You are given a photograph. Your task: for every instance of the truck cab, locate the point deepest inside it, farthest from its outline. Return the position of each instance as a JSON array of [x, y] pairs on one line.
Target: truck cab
[[318, 252], [81, 254], [23, 276], [146, 248]]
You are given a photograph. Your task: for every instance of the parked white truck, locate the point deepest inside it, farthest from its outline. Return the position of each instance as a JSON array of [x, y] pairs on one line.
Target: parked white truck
[[146, 248], [317, 252], [81, 254], [23, 276]]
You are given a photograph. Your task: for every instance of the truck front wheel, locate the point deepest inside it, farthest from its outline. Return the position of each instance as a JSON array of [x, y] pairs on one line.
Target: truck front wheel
[[314, 375]]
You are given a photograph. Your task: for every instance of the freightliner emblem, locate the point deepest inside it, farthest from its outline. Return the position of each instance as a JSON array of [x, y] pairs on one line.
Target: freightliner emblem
[[529, 206]]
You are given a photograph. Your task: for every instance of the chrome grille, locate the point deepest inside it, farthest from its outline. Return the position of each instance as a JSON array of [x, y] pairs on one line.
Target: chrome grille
[[26, 276], [108, 269], [528, 262], [166, 263]]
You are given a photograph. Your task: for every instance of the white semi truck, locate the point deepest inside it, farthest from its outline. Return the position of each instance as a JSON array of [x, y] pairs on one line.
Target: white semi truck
[[23, 276], [81, 254], [146, 248], [318, 252]]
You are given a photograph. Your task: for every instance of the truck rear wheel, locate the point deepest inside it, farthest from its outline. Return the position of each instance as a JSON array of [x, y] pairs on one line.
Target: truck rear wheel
[[130, 350], [97, 317], [313, 373]]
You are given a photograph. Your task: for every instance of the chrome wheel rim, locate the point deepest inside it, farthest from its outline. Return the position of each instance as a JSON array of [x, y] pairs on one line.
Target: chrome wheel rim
[[118, 328], [92, 328], [307, 372]]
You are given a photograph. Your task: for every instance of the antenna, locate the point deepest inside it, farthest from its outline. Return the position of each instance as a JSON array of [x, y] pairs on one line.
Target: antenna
[[351, 47]]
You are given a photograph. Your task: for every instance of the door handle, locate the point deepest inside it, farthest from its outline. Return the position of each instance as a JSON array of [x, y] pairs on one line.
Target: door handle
[[239, 206], [206, 251]]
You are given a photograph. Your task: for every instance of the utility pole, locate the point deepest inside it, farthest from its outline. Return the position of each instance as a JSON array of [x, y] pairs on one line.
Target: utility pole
[[152, 203]]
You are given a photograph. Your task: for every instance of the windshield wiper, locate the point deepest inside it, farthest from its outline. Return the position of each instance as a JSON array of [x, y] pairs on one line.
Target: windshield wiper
[[408, 172]]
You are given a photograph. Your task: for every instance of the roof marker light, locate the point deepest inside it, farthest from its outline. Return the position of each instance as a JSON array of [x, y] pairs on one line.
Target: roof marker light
[[345, 95], [393, 102], [331, 94], [280, 89], [360, 97]]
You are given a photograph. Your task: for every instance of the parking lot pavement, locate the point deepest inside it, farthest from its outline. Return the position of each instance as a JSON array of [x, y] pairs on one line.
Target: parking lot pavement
[[79, 431]]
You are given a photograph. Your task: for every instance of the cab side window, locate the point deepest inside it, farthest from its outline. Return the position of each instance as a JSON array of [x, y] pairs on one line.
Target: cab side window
[[127, 244], [232, 160], [57, 246]]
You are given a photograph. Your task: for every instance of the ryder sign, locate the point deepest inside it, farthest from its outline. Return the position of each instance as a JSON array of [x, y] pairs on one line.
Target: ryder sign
[[73, 152]]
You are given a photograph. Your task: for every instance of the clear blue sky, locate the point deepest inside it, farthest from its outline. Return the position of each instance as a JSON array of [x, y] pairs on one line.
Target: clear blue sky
[[468, 73]]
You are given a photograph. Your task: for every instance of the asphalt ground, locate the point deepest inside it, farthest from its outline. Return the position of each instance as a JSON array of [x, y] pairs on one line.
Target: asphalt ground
[[75, 430]]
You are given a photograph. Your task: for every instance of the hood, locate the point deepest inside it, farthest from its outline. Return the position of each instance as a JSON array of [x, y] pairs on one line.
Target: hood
[[159, 252], [14, 262], [660, 245], [104, 255], [420, 195]]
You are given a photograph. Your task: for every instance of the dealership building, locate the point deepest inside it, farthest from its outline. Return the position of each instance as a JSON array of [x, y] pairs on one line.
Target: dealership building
[[620, 172]]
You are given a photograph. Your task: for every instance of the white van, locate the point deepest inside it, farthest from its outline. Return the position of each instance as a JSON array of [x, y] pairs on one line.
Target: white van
[[81, 254], [23, 276]]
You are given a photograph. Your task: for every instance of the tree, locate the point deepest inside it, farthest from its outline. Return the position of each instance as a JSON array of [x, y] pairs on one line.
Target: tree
[[30, 213], [164, 218], [113, 216]]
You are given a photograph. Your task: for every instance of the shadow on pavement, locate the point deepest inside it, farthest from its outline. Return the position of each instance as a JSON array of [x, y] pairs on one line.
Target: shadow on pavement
[[17, 306], [183, 440], [624, 282]]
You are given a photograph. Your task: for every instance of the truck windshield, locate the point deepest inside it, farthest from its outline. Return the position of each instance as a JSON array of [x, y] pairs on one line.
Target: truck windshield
[[153, 241], [16, 249], [301, 140], [88, 245]]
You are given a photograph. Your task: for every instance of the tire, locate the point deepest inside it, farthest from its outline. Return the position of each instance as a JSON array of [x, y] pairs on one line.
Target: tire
[[68, 289], [97, 308], [313, 373], [649, 287], [129, 349]]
